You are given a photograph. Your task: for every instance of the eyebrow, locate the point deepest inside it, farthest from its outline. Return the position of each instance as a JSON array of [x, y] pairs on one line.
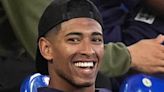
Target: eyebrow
[[74, 33], [97, 33], [80, 34]]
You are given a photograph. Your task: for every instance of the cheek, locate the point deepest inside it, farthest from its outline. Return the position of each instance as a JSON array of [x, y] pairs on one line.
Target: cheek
[[100, 52], [63, 52], [69, 51]]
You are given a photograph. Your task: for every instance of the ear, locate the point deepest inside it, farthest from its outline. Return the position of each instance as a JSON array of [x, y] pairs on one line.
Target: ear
[[45, 48]]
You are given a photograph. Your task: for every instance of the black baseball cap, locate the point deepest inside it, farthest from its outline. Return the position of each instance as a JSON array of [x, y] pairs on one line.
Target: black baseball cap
[[57, 12]]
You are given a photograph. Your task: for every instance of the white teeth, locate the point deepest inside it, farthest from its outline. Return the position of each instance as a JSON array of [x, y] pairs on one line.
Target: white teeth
[[84, 64]]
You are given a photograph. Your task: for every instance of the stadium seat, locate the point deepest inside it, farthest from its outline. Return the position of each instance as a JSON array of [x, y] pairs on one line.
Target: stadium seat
[[142, 83], [31, 83]]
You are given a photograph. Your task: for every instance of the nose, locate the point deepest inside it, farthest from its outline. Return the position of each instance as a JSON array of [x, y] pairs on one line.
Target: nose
[[87, 49]]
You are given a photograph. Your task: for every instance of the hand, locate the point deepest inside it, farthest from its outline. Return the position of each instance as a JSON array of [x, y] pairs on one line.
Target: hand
[[148, 55]]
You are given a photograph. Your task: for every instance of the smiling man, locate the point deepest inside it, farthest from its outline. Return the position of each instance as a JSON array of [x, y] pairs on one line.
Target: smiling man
[[71, 44]]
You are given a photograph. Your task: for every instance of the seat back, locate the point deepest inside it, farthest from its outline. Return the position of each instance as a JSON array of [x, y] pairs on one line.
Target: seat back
[[31, 83], [142, 83]]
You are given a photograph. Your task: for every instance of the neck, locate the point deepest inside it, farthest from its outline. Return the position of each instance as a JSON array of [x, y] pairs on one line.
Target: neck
[[67, 87], [68, 84]]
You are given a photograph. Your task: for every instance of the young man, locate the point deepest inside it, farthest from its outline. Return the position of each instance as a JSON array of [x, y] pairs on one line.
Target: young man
[[71, 43]]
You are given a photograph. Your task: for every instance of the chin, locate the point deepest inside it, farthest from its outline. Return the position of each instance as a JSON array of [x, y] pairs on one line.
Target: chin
[[82, 82], [85, 84]]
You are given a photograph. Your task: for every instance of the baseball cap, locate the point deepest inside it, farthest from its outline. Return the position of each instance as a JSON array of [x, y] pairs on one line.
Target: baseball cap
[[60, 11]]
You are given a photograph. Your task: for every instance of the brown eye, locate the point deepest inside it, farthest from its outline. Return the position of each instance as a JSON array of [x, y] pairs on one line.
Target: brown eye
[[73, 40], [97, 40]]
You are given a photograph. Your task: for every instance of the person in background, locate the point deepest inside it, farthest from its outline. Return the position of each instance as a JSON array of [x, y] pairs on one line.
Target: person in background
[[18, 25], [133, 22]]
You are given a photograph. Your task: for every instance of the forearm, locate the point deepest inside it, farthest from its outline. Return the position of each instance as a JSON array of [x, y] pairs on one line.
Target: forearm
[[117, 60]]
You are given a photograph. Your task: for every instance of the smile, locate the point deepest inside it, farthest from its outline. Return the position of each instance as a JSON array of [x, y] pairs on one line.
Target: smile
[[85, 64]]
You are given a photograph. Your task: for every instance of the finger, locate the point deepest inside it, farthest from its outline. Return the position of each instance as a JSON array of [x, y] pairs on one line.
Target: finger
[[159, 39], [160, 47], [159, 55], [159, 63], [159, 70]]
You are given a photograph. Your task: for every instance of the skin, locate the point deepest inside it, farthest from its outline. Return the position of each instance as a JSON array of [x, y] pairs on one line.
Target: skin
[[78, 40], [149, 60], [148, 55]]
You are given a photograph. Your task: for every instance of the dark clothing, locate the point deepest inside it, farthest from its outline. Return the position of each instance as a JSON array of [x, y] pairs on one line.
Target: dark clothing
[[15, 62], [46, 89], [103, 82], [128, 22], [121, 23], [18, 23]]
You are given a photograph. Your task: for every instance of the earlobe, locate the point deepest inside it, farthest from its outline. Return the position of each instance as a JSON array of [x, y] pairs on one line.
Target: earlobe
[[45, 48]]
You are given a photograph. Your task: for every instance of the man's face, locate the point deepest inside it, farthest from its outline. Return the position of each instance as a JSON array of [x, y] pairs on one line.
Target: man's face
[[77, 51]]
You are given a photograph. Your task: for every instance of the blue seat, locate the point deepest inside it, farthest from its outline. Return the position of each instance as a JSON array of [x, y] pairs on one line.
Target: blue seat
[[142, 83], [31, 83]]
